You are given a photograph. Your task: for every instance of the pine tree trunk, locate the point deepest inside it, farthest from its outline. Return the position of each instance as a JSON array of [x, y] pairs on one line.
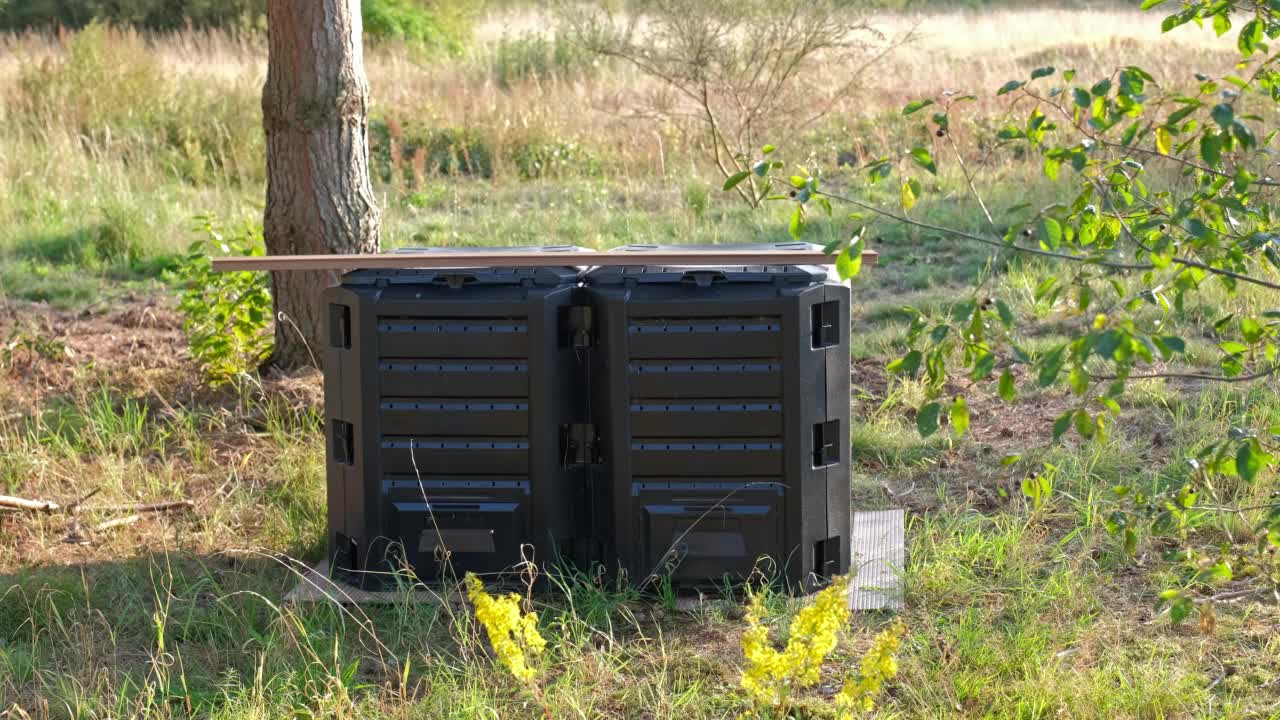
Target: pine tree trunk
[[319, 200]]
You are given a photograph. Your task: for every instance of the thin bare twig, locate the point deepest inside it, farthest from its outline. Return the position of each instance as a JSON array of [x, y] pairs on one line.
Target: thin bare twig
[[1239, 595], [51, 506], [117, 522], [1086, 259], [1194, 376], [17, 503], [142, 507]]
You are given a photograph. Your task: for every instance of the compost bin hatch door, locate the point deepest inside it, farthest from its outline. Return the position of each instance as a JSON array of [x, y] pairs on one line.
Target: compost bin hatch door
[[479, 535]]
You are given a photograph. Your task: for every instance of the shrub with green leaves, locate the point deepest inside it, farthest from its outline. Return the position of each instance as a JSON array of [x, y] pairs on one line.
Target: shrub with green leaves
[[1168, 196], [535, 56], [441, 26], [148, 14], [226, 315], [407, 153], [537, 158]]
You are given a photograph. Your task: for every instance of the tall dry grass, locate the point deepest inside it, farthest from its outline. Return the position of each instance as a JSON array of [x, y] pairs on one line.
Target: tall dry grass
[[957, 50], [169, 126]]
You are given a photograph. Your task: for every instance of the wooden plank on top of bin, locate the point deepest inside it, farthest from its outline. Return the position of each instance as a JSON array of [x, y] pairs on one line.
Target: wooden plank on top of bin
[[382, 261]]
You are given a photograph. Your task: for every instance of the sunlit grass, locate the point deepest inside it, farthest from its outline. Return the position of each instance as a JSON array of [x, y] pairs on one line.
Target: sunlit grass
[[1013, 610]]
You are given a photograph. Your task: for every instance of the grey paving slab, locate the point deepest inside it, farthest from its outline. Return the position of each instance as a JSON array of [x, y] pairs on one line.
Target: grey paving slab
[[878, 556]]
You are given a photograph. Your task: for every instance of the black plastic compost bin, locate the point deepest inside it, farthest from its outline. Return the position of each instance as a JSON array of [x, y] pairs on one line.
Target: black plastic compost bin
[[720, 396], [447, 392]]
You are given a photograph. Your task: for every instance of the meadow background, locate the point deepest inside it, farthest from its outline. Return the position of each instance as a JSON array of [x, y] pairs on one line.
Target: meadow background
[[488, 127]]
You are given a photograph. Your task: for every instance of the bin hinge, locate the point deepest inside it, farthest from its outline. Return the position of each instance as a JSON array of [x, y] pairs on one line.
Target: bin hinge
[[577, 326], [580, 445]]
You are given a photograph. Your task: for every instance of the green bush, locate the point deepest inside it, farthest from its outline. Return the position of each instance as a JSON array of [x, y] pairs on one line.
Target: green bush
[[148, 14], [210, 132], [697, 198], [444, 26], [112, 244], [383, 158], [440, 25], [536, 159], [226, 316], [94, 85], [116, 240], [407, 155], [532, 56], [399, 155], [455, 151]]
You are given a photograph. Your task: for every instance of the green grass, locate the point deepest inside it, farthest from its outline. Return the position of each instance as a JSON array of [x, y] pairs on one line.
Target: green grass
[[1013, 611], [1004, 606]]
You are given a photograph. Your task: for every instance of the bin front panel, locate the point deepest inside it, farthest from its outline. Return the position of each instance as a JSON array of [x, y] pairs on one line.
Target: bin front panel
[[708, 384], [455, 408]]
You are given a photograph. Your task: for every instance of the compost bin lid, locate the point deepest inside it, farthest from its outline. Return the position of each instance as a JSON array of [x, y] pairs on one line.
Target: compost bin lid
[[703, 275], [461, 276]]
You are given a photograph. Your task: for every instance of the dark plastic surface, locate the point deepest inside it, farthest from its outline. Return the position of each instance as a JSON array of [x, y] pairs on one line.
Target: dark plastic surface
[[721, 397], [704, 275], [445, 392], [678, 421]]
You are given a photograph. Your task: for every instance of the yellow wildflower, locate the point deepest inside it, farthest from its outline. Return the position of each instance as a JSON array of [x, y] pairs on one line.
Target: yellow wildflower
[[771, 675], [879, 665], [764, 663], [512, 633]]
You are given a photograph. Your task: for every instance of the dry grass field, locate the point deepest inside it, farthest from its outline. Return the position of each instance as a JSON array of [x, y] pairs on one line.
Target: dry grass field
[[112, 142]]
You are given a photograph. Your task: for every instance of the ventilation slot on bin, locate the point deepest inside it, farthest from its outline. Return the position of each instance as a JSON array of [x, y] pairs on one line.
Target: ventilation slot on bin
[[826, 450], [339, 326], [826, 559], [343, 439], [826, 328], [460, 540]]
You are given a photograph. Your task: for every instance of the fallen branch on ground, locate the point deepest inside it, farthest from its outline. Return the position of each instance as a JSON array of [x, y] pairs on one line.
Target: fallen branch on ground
[[141, 507], [49, 506], [17, 503], [117, 522]]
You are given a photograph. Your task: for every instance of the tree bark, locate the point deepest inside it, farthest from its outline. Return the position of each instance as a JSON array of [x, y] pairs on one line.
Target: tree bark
[[319, 199]]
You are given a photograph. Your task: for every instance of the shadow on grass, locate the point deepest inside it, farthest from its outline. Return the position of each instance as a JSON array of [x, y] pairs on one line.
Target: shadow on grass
[[73, 268], [193, 635], [184, 632]]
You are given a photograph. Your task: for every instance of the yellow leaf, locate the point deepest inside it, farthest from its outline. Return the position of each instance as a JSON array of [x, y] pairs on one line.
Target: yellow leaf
[[908, 196], [1164, 141]]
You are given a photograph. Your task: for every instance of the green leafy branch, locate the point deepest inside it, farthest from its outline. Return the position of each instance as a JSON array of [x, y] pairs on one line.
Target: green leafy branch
[[1209, 216], [226, 316]]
